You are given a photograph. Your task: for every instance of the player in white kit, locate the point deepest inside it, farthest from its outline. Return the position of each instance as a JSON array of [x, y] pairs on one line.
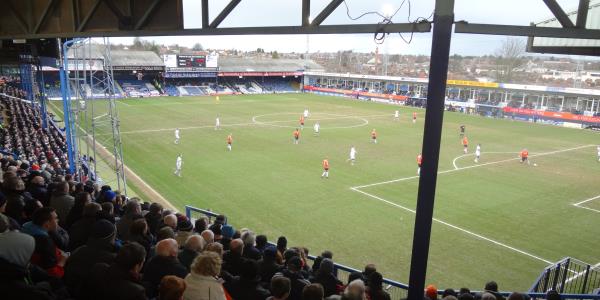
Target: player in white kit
[[598, 153], [316, 128], [477, 153], [352, 155], [176, 135], [217, 123], [306, 113], [397, 115], [178, 165]]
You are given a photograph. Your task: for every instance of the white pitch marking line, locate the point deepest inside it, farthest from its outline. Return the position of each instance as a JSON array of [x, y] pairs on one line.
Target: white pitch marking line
[[468, 154], [474, 166], [579, 273], [457, 228], [124, 103], [591, 209], [586, 200]]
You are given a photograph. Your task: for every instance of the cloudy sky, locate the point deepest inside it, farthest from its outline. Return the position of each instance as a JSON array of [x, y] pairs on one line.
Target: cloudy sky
[[287, 12]]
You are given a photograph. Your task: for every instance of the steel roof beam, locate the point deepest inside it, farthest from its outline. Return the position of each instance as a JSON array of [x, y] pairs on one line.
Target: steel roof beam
[[582, 13], [224, 13], [536, 31], [326, 12], [559, 13], [305, 12]]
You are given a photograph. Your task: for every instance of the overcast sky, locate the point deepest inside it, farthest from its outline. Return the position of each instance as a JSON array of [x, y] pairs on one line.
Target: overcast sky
[[287, 12]]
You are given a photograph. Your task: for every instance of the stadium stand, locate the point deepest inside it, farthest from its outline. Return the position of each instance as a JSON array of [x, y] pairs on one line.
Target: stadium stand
[[138, 88]]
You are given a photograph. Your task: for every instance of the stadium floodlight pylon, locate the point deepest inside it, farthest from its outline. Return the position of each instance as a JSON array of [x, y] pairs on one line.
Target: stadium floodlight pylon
[[93, 117]]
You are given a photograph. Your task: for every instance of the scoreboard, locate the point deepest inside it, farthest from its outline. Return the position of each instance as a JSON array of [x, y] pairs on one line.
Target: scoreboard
[[191, 61]]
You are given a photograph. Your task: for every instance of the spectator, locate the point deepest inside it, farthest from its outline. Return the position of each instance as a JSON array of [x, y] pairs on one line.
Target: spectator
[[280, 288], [431, 292], [164, 263], [192, 247], [132, 212], [552, 295], [261, 242], [215, 247], [356, 289], [165, 233], [326, 278], [202, 283], [233, 259], [227, 233], [108, 212], [369, 269], [184, 230], [138, 232], [375, 288], [154, 217], [62, 201], [247, 285], [267, 266], [518, 296], [208, 236], [12, 188], [76, 213], [37, 190], [15, 250], [171, 288], [170, 221], [488, 296], [80, 230], [119, 281], [297, 280], [281, 247], [13, 224], [449, 292], [312, 291], [100, 248], [46, 254], [201, 224], [492, 288], [250, 252]]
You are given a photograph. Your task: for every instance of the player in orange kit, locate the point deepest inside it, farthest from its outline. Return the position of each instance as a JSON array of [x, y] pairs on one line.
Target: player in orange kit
[[229, 141], [419, 161], [296, 136], [374, 136], [524, 156], [325, 169], [465, 142], [302, 122], [414, 117]]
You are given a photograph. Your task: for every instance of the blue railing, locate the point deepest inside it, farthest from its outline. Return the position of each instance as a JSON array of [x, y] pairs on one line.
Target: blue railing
[[397, 290]]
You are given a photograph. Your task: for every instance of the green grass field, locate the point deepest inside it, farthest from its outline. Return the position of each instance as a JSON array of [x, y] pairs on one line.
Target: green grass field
[[499, 220]]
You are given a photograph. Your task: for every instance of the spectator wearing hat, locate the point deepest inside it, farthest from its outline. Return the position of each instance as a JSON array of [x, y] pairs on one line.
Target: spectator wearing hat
[[233, 258], [247, 285], [100, 248], [62, 201], [202, 282], [132, 212], [46, 254], [81, 230], [192, 247], [164, 263], [326, 278], [431, 292], [227, 233], [268, 266], [250, 251], [375, 288], [15, 251], [119, 281], [184, 230], [171, 288], [293, 272]]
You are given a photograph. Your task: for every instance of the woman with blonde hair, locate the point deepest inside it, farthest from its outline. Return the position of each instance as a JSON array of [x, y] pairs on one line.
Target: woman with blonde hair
[[202, 282]]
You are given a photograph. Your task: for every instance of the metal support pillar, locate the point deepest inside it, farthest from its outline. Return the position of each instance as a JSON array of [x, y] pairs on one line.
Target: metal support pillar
[[66, 95], [27, 80], [438, 73], [43, 97]]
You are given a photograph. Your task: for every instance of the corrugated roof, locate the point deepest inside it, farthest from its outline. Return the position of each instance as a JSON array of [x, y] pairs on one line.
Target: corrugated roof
[[119, 57], [241, 64], [593, 22]]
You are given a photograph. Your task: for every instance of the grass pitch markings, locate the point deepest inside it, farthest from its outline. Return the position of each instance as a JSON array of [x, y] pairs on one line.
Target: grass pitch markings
[[357, 189], [580, 204]]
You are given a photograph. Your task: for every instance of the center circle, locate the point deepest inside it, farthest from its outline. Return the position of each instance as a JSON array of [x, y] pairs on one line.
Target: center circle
[[313, 117]]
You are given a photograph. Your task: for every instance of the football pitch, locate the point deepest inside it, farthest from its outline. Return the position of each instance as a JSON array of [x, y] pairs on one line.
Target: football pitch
[[494, 220]]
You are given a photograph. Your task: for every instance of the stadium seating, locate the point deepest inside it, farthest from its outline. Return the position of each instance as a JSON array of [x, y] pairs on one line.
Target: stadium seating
[[138, 88]]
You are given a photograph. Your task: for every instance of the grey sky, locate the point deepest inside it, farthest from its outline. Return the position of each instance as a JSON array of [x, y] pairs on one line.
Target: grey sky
[[287, 12]]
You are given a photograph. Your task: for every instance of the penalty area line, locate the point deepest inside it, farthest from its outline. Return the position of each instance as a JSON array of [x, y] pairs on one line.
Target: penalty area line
[[468, 232]]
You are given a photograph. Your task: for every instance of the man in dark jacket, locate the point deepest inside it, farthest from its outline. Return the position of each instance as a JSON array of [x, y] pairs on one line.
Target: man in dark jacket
[[80, 231], [292, 272], [62, 201], [100, 248], [492, 288], [119, 281], [164, 263], [37, 190], [267, 266], [193, 246], [250, 251], [132, 212], [232, 259], [326, 278], [46, 254], [154, 217], [247, 285]]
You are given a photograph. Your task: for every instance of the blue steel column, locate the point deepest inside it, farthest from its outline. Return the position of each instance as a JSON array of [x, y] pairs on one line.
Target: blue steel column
[[66, 96], [438, 73], [43, 97]]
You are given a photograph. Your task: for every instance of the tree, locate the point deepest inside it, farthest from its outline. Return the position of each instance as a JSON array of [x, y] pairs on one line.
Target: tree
[[275, 55], [197, 47], [137, 43], [508, 57]]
